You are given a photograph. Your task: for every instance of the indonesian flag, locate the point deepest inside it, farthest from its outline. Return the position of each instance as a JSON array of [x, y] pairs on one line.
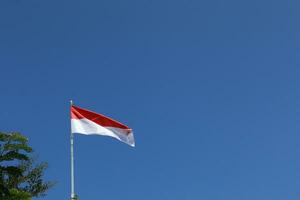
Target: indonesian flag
[[87, 122]]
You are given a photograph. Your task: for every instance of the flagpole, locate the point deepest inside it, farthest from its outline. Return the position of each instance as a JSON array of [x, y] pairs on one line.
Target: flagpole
[[73, 196]]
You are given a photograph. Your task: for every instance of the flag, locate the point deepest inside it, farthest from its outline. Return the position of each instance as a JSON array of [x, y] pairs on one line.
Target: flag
[[87, 122]]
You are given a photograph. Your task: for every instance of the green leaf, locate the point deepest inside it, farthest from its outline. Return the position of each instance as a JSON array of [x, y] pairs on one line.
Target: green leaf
[[21, 178]]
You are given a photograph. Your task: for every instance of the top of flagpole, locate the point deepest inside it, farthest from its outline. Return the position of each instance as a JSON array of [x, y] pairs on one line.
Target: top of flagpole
[[71, 102]]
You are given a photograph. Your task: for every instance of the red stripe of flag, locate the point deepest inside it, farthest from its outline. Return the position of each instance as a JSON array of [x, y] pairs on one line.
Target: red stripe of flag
[[79, 113]]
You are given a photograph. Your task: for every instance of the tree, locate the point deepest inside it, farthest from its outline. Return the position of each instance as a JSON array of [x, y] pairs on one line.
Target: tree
[[21, 177]]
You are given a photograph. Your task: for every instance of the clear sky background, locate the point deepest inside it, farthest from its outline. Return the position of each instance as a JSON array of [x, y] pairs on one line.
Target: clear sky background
[[211, 89]]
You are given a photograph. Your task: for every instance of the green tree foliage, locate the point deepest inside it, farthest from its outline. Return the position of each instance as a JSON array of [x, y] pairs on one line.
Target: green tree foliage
[[21, 178]]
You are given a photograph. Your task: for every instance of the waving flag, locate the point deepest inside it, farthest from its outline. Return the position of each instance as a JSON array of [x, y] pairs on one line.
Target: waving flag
[[87, 122]]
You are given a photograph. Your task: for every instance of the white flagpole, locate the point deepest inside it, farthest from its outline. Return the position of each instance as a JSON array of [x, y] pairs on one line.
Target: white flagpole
[[73, 196]]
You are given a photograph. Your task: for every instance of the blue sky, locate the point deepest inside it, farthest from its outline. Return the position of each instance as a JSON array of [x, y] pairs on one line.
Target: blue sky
[[211, 89]]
